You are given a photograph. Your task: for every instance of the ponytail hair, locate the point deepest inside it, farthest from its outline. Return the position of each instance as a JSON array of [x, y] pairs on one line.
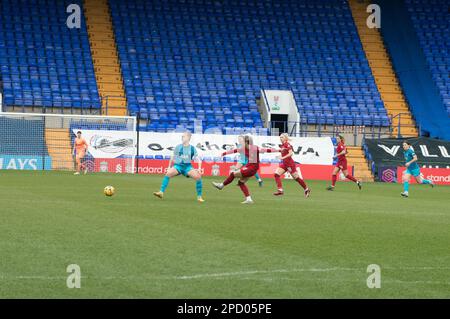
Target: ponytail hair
[[248, 140]]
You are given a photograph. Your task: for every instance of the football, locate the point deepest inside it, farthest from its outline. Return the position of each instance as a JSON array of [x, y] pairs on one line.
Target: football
[[109, 191]]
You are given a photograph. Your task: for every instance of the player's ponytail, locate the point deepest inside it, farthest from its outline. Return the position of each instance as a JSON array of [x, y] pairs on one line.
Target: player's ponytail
[[248, 141]]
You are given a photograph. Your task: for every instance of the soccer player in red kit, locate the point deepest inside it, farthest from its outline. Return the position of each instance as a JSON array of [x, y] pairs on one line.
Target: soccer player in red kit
[[288, 165], [341, 151], [251, 152]]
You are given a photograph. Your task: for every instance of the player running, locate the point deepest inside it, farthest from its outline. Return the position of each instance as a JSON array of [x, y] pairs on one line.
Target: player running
[[248, 170], [288, 165], [341, 151], [183, 155], [412, 168], [80, 148], [243, 160]]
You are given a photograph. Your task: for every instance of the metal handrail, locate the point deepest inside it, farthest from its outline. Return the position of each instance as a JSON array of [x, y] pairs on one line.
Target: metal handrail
[[319, 130], [106, 99], [399, 125]]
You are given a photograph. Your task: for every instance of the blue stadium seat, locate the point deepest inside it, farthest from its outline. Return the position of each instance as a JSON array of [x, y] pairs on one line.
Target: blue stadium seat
[[431, 22], [216, 56], [44, 63]]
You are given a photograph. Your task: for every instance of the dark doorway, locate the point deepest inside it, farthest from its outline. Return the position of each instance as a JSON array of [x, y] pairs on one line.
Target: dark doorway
[[280, 122]]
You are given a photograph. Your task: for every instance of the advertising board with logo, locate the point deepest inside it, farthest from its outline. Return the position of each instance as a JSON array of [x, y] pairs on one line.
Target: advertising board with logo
[[116, 144], [25, 162], [152, 166], [389, 152], [440, 176]]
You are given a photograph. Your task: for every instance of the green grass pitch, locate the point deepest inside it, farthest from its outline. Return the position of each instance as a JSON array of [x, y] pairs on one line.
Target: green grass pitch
[[135, 246]]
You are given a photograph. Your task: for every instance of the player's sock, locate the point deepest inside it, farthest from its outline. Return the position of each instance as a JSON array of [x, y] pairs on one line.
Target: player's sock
[[258, 178], [199, 187], [333, 180], [244, 189], [301, 182], [165, 183], [350, 177], [406, 186], [426, 181], [278, 181], [229, 179]]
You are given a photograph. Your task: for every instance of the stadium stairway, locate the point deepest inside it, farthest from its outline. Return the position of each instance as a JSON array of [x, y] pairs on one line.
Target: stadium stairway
[[383, 72], [357, 159], [105, 57], [59, 148]]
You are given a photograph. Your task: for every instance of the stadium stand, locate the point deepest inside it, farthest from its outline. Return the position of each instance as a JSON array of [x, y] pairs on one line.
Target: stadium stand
[[105, 58], [402, 121], [43, 62], [208, 60], [418, 58], [432, 24]]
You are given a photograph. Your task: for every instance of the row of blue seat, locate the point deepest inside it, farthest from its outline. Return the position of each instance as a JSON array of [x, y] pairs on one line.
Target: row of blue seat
[[43, 62], [431, 22], [200, 47]]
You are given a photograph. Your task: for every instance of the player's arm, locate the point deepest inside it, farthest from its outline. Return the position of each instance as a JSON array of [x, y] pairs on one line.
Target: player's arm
[[198, 160], [86, 146], [269, 150], [291, 152], [74, 147], [343, 152], [199, 163], [412, 161], [232, 151], [171, 160]]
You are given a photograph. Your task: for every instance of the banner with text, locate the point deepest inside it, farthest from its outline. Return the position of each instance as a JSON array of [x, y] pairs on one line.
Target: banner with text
[[25, 162], [266, 170], [430, 152], [440, 176], [116, 144]]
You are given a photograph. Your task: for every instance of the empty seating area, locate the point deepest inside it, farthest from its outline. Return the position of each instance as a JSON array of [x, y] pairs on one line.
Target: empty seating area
[[43, 62], [432, 24], [208, 60]]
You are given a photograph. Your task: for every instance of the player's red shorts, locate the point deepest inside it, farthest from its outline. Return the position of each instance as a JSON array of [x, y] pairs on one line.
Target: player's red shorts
[[342, 165], [248, 171], [289, 167]]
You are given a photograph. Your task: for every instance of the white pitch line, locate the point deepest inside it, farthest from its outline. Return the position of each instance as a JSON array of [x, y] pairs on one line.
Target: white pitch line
[[227, 274], [255, 272]]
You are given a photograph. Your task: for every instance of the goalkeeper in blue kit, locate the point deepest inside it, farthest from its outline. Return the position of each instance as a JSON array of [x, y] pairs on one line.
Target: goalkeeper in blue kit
[[412, 169], [182, 157]]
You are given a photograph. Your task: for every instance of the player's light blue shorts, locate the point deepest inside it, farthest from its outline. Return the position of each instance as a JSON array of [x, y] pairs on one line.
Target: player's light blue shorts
[[414, 172], [183, 169]]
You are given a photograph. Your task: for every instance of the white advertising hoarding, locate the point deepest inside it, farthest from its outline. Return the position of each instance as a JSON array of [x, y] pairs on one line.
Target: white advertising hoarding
[[113, 144]]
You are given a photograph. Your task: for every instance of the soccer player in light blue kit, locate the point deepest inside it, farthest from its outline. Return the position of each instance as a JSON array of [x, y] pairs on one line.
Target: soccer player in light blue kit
[[412, 168], [182, 157], [243, 160]]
